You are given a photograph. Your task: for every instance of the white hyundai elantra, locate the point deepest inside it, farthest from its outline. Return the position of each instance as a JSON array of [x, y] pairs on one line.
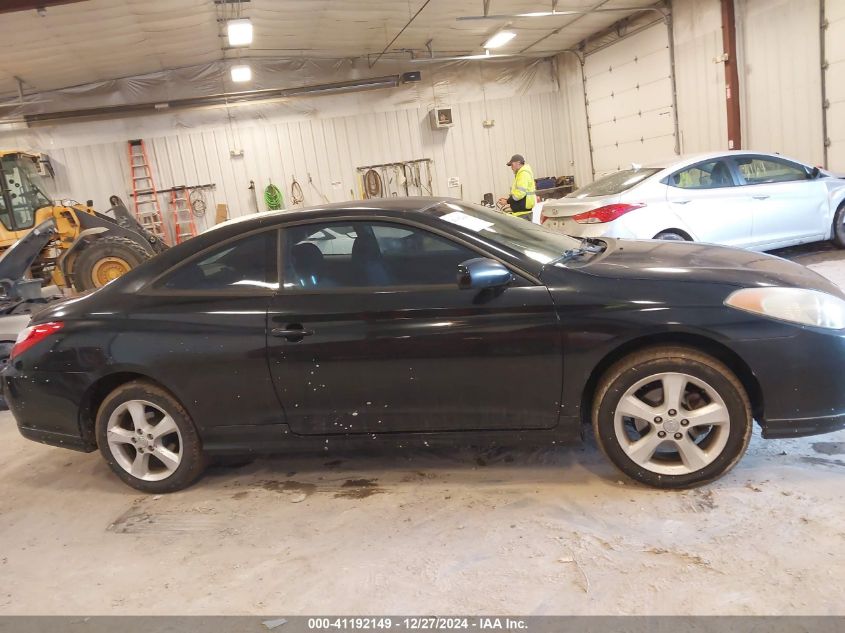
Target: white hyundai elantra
[[745, 199]]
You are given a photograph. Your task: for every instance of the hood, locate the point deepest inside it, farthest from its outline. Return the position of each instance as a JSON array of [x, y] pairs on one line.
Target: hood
[[697, 262]]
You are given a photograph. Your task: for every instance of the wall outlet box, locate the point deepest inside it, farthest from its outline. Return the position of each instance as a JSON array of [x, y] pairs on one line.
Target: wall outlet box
[[453, 182]]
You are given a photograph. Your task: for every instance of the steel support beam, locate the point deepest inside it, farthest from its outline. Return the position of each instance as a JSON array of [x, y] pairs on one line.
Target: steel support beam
[[731, 75]]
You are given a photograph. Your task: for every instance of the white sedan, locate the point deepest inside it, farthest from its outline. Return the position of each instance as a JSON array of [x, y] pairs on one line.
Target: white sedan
[[745, 199]]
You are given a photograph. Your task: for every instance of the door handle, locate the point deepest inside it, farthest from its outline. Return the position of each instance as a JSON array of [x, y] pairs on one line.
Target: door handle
[[681, 201], [293, 332], [761, 197]]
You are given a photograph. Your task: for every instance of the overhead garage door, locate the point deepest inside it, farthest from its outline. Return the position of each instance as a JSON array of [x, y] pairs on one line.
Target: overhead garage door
[[628, 88], [835, 84]]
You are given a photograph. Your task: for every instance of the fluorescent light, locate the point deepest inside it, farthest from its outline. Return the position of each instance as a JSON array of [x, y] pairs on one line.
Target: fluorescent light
[[487, 55], [239, 32], [499, 39], [241, 73]]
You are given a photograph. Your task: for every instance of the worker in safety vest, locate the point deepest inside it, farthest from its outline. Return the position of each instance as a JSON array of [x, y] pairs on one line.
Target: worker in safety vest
[[523, 191]]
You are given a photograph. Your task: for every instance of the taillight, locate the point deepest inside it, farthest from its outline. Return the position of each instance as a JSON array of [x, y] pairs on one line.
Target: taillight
[[34, 334], [605, 214]]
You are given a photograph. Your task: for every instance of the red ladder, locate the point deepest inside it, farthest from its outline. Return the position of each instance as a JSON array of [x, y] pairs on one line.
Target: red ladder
[[144, 192], [183, 215]]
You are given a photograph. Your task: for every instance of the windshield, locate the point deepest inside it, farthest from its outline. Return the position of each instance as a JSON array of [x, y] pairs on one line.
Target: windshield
[[27, 191], [527, 238], [614, 183]]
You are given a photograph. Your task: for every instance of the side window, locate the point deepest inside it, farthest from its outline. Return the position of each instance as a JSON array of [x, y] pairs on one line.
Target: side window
[[763, 170], [709, 175], [246, 263], [368, 254]]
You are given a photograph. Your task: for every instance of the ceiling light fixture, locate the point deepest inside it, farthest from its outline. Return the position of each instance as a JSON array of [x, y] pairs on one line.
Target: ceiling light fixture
[[485, 55], [239, 32], [241, 73], [499, 39]]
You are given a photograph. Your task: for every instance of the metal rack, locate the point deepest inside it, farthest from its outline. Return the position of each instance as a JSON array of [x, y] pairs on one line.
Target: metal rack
[[405, 178]]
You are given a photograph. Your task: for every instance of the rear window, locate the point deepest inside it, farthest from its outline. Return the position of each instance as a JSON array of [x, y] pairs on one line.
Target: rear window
[[614, 183]]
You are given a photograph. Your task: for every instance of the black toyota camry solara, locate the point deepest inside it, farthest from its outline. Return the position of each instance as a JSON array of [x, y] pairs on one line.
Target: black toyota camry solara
[[435, 320]]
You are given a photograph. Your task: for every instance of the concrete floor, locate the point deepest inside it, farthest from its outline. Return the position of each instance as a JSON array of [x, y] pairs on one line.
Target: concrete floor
[[549, 531]]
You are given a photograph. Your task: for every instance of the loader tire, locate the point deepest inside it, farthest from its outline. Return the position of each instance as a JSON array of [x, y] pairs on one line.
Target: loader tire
[[104, 260]]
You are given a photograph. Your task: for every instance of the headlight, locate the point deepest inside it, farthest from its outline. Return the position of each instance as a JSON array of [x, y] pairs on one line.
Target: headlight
[[796, 305]]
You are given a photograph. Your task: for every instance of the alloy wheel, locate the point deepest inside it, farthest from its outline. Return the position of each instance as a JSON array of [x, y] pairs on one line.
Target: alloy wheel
[[672, 423], [144, 440]]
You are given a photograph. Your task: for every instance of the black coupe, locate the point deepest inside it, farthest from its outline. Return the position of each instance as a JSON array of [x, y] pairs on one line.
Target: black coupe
[[438, 320]]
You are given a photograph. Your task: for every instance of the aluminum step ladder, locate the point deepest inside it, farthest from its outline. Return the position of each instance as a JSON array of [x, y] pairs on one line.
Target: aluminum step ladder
[[144, 192], [184, 227]]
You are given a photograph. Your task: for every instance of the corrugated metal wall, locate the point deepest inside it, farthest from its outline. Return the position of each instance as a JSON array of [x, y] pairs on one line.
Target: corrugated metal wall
[[700, 79], [781, 77], [330, 150]]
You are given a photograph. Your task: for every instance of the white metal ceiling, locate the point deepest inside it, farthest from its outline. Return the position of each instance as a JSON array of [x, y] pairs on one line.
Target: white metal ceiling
[[98, 40]]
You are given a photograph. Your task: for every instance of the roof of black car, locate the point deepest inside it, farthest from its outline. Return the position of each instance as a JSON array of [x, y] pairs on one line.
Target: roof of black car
[[376, 204]]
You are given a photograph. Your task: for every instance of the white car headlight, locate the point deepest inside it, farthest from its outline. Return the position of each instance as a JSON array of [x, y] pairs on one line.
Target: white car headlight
[[796, 305]]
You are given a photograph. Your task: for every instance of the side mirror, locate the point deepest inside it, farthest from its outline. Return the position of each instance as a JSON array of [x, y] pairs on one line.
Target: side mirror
[[815, 172], [482, 272]]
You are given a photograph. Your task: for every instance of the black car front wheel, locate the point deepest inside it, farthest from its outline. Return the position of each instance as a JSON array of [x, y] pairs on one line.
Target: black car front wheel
[[148, 439], [672, 417]]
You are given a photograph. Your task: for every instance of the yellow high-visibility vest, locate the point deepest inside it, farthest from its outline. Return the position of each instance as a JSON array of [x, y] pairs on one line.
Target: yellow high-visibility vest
[[524, 187]]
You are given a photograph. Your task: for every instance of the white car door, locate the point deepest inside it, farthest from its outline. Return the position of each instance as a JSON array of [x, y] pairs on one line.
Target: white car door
[[789, 206], [706, 199]]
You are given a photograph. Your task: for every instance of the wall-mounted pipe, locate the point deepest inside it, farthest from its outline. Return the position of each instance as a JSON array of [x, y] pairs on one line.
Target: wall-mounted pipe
[[215, 101], [580, 59]]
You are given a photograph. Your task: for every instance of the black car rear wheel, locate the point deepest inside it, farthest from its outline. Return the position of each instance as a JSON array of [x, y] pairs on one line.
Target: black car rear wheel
[[148, 439], [672, 417]]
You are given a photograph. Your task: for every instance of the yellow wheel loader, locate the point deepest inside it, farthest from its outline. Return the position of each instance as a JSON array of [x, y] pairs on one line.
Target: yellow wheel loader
[[69, 244]]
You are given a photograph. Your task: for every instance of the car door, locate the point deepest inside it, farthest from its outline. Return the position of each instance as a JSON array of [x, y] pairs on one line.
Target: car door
[[788, 205], [379, 338], [705, 198], [201, 327]]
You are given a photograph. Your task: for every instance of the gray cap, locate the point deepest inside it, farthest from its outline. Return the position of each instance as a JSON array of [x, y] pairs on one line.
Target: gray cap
[[516, 158]]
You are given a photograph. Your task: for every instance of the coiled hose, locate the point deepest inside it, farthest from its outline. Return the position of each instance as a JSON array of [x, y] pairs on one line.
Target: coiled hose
[[273, 197]]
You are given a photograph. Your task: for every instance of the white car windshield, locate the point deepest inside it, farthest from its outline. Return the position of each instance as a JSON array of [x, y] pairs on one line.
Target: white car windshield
[[614, 183]]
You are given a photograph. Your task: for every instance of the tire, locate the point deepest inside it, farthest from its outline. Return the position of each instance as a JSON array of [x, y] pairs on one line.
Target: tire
[[671, 236], [106, 259], [839, 227], [637, 382], [151, 461]]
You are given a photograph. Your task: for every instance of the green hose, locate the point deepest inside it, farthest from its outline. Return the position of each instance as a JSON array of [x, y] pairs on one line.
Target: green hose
[[273, 197]]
